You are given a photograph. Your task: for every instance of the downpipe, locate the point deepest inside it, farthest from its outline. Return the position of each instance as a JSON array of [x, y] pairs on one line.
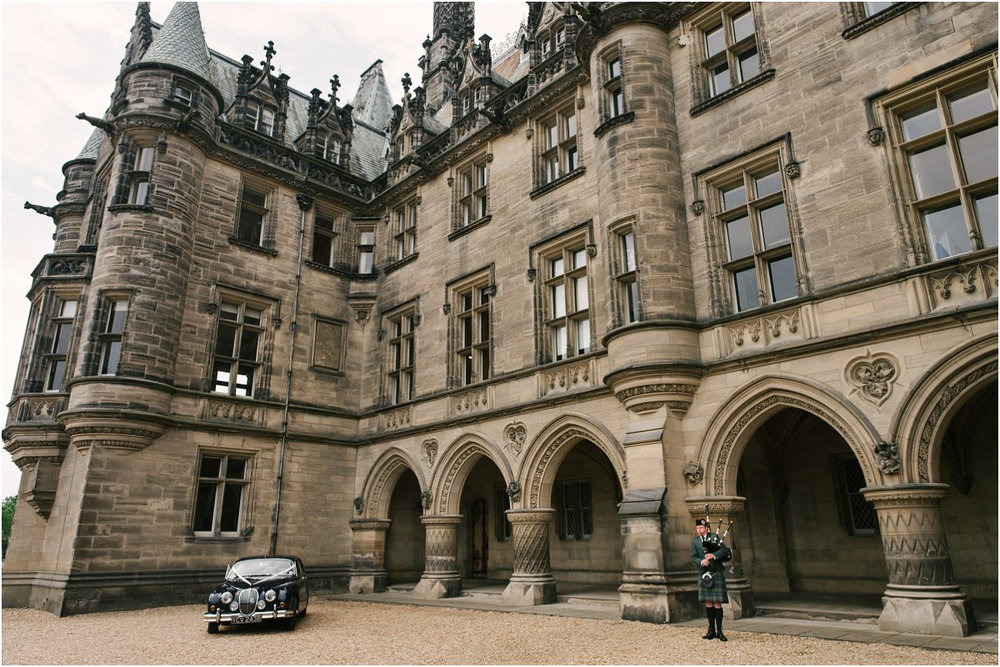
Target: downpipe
[[305, 203]]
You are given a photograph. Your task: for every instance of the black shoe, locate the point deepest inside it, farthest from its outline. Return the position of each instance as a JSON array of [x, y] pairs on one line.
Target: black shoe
[[710, 634], [722, 638]]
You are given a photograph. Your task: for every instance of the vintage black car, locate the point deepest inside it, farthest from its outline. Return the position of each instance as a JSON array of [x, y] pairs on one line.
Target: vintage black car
[[257, 589]]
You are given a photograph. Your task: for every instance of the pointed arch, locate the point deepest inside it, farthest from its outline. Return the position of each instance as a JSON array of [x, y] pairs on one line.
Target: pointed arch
[[738, 419], [382, 478], [456, 464], [550, 447], [942, 390]]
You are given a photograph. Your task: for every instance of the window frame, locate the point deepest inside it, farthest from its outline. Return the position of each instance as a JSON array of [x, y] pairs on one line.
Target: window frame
[[59, 344], [111, 334], [261, 213], [328, 234], [934, 91], [234, 360], [744, 172], [139, 177], [472, 337], [401, 355], [472, 203], [260, 117], [565, 150], [559, 297], [626, 274], [848, 494], [362, 249], [568, 519], [404, 225], [220, 482]]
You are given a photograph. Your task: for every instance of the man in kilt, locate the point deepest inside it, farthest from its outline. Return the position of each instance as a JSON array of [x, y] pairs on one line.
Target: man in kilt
[[709, 553]]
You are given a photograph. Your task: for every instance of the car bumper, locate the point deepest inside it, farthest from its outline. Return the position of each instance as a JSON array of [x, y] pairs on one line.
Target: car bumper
[[236, 618]]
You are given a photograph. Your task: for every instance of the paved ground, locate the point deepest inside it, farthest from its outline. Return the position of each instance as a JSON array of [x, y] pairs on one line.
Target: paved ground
[[352, 632]]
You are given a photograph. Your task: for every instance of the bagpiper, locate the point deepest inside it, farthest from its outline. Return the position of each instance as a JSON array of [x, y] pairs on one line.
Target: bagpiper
[[710, 553]]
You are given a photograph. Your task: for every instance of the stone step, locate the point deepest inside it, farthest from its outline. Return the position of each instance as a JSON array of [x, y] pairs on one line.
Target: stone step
[[820, 613]]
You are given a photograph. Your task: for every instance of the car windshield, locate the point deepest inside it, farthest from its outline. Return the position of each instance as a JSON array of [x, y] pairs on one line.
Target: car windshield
[[256, 568]]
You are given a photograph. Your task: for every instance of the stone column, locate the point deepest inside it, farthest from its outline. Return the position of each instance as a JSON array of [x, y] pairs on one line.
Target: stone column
[[368, 573], [726, 509], [922, 595], [643, 592], [441, 578], [531, 582]]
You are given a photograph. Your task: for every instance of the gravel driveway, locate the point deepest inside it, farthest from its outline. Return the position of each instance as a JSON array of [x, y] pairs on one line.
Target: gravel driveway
[[340, 632]]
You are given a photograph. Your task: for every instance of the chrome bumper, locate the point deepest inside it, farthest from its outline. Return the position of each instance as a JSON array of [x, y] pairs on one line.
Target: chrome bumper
[[237, 618]]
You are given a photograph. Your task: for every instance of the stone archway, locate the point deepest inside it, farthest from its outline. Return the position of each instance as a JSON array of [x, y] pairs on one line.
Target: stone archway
[[368, 530], [739, 418], [442, 576]]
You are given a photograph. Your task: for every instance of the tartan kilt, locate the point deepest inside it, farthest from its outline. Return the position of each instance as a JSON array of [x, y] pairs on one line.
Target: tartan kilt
[[717, 593]]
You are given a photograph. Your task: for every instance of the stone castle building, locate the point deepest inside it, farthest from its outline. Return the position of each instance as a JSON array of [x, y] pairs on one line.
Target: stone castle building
[[527, 323]]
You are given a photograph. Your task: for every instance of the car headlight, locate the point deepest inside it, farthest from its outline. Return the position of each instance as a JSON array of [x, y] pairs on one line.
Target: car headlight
[[270, 596], [235, 606], [261, 603], [226, 598]]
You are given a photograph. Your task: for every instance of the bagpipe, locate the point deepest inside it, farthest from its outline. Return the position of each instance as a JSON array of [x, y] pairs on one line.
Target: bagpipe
[[712, 543]]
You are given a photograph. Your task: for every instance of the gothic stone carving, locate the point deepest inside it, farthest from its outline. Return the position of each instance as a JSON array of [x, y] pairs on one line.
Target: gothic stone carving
[[566, 378], [396, 419], [694, 473], [428, 452], [872, 376], [888, 457], [514, 436]]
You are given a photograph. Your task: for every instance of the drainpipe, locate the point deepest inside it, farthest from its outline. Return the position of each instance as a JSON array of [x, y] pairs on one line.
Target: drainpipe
[[305, 203]]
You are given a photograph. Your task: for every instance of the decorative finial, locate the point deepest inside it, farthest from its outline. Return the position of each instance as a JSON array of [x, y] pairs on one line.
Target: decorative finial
[[334, 87], [407, 82], [270, 53]]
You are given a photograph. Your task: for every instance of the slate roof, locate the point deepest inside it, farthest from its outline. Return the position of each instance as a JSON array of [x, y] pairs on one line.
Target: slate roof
[[90, 149], [181, 41]]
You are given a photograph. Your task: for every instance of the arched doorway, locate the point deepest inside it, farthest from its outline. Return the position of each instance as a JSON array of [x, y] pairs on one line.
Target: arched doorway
[[404, 540], [968, 464], [806, 526], [585, 532], [485, 550]]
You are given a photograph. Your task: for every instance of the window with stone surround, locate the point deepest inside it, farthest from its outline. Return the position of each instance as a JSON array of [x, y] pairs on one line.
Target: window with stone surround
[[858, 515], [222, 494], [324, 238], [613, 107], [728, 50], [562, 267], [239, 340], [625, 271], [364, 261], [860, 17], [469, 307], [942, 136], [327, 147], [551, 40], [114, 313], [401, 355], [134, 187], [58, 348], [574, 509], [559, 152], [260, 117], [253, 216], [749, 230], [404, 228], [471, 188]]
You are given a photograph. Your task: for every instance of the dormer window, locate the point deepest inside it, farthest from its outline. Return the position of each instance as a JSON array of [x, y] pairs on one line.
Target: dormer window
[[260, 117], [182, 94], [328, 148]]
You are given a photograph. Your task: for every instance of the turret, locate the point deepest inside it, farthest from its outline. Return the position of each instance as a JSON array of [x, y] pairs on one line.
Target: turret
[[454, 24]]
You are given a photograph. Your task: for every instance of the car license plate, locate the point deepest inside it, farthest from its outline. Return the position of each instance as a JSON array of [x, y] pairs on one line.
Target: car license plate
[[246, 619]]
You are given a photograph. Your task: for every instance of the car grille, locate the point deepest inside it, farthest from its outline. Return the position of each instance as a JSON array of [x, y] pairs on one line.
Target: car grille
[[247, 599]]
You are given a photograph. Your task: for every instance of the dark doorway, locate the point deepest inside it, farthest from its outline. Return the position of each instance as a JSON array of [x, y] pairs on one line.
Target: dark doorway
[[480, 537]]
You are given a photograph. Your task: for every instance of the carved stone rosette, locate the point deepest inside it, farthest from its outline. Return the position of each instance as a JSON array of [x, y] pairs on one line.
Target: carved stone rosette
[[531, 583], [441, 578], [368, 573], [922, 595]]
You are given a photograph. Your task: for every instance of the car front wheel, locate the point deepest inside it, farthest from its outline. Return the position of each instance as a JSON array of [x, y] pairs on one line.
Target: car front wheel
[[213, 628]]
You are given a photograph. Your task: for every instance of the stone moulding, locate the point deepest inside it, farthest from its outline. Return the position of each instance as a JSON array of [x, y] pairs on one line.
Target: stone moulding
[[394, 419], [566, 378], [644, 389], [468, 402], [233, 412], [965, 283]]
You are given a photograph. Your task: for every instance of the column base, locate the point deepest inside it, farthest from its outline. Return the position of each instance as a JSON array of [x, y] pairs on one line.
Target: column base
[[363, 583], [656, 602], [525, 593], [435, 588], [740, 600], [927, 616]]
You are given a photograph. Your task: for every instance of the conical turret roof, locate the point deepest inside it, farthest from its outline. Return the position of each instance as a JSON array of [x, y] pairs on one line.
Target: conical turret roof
[[373, 103], [181, 42], [90, 149]]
